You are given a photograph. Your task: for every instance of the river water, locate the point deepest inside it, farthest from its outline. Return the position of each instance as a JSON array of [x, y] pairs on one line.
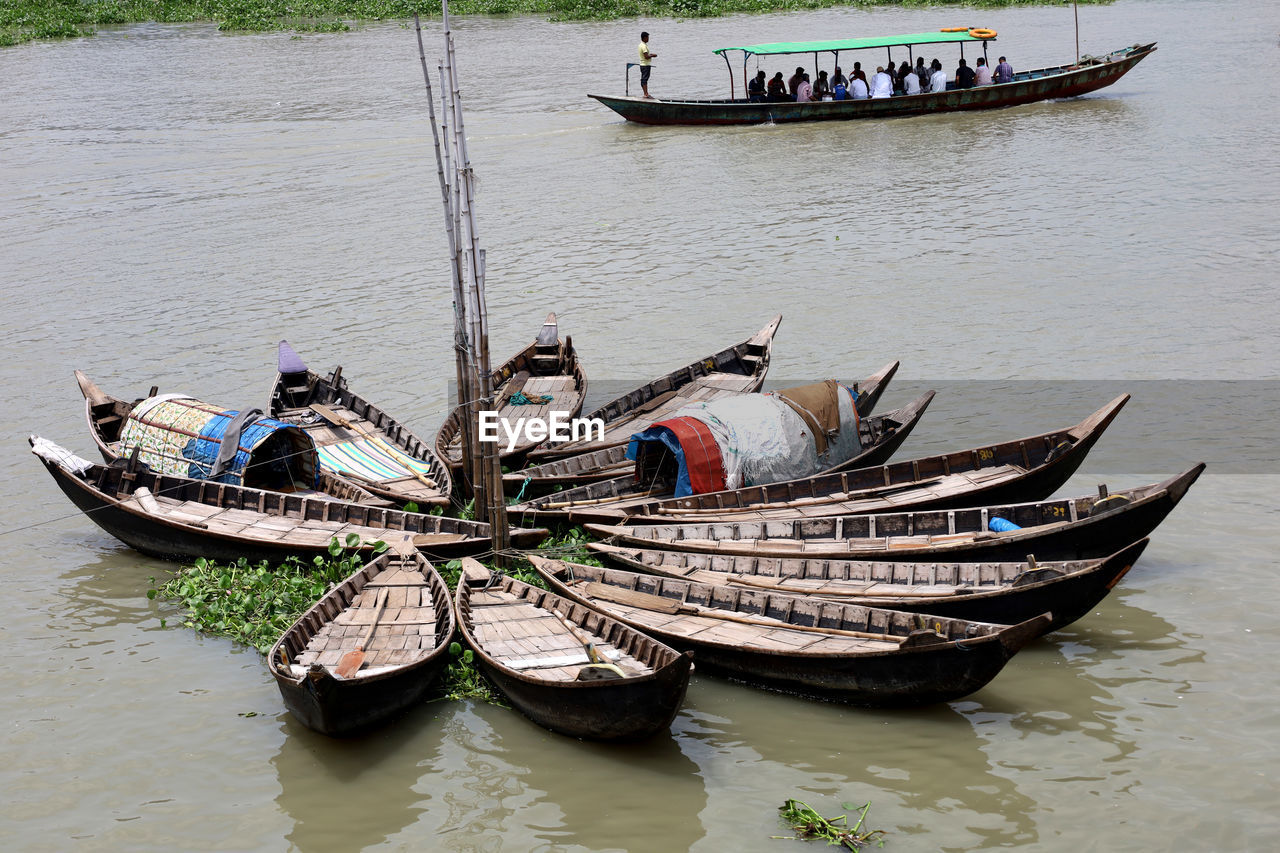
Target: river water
[[177, 200]]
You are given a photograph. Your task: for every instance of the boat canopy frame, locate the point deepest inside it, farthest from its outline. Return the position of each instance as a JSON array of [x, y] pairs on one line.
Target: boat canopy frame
[[834, 46]]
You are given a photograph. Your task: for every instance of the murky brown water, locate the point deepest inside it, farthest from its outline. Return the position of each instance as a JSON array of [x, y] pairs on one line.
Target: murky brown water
[[177, 200]]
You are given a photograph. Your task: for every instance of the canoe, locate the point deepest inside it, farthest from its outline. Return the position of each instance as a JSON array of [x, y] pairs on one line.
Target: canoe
[[844, 652], [1007, 593], [408, 650], [356, 439], [740, 368], [178, 518], [1041, 84], [547, 368], [1077, 528], [607, 500], [542, 664], [1024, 469], [107, 416], [609, 463]]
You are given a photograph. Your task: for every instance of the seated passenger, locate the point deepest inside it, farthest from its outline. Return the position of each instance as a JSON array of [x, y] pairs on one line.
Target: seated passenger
[[882, 83], [778, 89], [838, 79], [794, 81], [857, 73], [900, 79], [858, 89], [982, 74], [804, 91], [821, 88], [964, 76], [1004, 71], [755, 89], [922, 71], [910, 83], [937, 80]]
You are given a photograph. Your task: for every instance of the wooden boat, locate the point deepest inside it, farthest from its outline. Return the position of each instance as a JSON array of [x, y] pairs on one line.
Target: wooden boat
[[355, 439], [860, 655], [881, 436], [1070, 80], [1007, 593], [548, 367], [740, 368], [107, 415], [611, 462], [538, 647], [407, 651], [179, 518], [1078, 528], [1029, 468]]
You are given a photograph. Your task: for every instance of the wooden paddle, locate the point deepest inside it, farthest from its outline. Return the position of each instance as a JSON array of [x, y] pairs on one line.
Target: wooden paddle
[[334, 418], [354, 659], [603, 669]]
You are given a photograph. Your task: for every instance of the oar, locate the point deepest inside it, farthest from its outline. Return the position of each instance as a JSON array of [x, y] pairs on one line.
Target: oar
[[597, 660], [354, 659], [334, 418]]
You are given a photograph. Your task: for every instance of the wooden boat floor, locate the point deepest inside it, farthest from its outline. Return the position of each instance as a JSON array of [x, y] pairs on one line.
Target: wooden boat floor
[[324, 433], [529, 639], [712, 386], [405, 633]]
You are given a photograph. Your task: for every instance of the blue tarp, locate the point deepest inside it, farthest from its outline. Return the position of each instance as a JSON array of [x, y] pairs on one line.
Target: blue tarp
[[668, 438]]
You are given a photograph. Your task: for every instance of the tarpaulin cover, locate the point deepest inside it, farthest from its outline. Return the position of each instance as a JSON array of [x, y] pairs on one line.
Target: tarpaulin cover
[[180, 435], [760, 437]]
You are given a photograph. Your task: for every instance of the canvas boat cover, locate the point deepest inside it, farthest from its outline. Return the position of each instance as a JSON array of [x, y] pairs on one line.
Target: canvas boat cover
[[176, 434], [751, 439]]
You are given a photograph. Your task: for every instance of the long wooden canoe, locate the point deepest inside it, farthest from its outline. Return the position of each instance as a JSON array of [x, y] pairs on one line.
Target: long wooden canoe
[[406, 653], [860, 655], [1007, 593], [881, 436], [356, 439], [736, 369], [1077, 528], [179, 518], [1025, 469], [538, 648], [610, 463], [548, 367]]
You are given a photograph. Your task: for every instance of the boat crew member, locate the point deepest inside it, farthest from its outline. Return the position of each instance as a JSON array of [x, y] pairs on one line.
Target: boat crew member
[[938, 80], [964, 76], [982, 74], [1004, 71], [646, 59], [755, 89], [882, 83]]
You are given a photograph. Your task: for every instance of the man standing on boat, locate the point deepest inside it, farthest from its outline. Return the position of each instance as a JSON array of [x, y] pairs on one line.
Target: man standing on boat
[[646, 59]]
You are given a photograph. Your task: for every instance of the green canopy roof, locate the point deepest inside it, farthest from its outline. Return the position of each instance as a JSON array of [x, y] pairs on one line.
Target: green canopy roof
[[852, 44]]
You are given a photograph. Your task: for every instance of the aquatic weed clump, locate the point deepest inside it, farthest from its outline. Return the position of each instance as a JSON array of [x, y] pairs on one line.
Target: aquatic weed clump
[[808, 824]]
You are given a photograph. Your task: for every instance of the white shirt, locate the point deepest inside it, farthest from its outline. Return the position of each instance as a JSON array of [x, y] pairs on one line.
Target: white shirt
[[913, 83], [881, 86], [857, 90], [938, 82]]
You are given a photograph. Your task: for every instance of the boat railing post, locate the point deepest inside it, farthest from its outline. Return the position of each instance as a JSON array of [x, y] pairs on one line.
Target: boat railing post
[[729, 66], [627, 85]]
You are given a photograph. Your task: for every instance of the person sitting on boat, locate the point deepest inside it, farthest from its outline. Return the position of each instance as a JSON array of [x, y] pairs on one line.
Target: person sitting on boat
[[964, 76], [857, 73], [910, 82], [937, 80], [1004, 71], [822, 88], [900, 79], [858, 90], [804, 91], [778, 88], [793, 82], [838, 78], [922, 72], [755, 89], [882, 83], [982, 74]]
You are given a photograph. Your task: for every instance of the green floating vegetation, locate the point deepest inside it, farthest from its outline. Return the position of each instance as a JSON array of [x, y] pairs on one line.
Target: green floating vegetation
[[25, 20], [808, 824]]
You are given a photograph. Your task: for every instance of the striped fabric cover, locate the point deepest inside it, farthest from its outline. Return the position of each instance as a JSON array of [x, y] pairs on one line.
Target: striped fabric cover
[[366, 459]]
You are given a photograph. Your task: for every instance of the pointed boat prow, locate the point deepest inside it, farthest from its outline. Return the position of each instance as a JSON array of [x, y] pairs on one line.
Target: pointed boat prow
[[288, 360], [95, 395]]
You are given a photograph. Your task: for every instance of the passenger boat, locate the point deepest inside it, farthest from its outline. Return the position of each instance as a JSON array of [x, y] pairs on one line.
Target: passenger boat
[[1066, 529], [566, 665], [846, 652], [737, 369], [1029, 468], [354, 438], [1087, 74], [987, 592], [881, 436], [179, 518], [280, 458], [397, 611], [543, 380], [611, 462]]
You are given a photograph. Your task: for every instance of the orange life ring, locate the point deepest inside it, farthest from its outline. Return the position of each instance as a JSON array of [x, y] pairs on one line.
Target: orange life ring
[[953, 29], [982, 33]]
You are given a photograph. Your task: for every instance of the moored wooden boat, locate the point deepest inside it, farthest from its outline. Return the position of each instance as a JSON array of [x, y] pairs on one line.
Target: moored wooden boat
[[739, 368], [179, 518], [860, 655], [1024, 469], [547, 368], [354, 438], [1041, 84], [537, 647], [1007, 593], [1085, 527], [407, 651], [881, 436]]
